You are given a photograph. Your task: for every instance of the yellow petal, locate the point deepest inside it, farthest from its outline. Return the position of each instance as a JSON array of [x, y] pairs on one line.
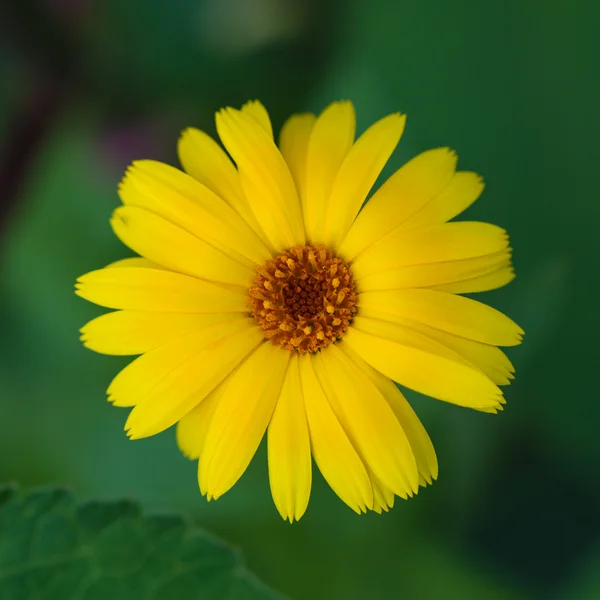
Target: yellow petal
[[159, 240], [206, 162], [166, 383], [134, 261], [331, 138], [403, 332], [438, 243], [259, 113], [418, 438], [402, 195], [358, 173], [335, 456], [439, 274], [464, 188], [455, 314], [418, 367], [290, 460], [127, 332], [293, 141], [383, 497], [483, 283], [141, 375], [369, 421], [140, 288], [241, 419], [180, 199], [193, 427], [488, 359], [265, 176]]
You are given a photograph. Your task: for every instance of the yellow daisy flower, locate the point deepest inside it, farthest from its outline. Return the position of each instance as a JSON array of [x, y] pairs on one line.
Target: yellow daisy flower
[[266, 298]]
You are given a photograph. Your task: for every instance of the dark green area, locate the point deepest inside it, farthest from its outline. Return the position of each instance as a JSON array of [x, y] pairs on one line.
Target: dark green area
[[512, 86], [51, 548]]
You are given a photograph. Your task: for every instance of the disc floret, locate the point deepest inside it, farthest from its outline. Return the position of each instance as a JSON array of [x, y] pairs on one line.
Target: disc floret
[[304, 298]]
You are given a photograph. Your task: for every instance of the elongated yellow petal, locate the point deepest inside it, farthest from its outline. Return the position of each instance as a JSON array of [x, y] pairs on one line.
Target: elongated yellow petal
[[331, 138], [483, 283], [335, 456], [438, 275], [401, 331], [140, 288], [438, 243], [293, 141], [139, 377], [358, 173], [402, 195], [126, 332], [206, 162], [180, 199], [383, 497], [367, 417], [259, 113], [418, 438], [189, 371], [448, 312], [488, 359], [464, 188], [241, 419], [290, 463], [159, 240], [193, 427], [419, 368], [265, 176], [134, 261]]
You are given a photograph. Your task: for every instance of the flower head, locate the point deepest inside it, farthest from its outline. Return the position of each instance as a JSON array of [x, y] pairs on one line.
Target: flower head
[[267, 298]]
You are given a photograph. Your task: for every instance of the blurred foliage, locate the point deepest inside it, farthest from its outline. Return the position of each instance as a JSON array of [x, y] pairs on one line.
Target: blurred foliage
[[512, 86], [53, 549]]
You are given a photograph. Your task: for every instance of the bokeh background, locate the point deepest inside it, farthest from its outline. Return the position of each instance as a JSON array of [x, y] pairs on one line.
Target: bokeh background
[[514, 86]]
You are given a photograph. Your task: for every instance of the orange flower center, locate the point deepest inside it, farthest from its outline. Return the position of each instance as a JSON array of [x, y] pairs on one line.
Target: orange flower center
[[304, 298]]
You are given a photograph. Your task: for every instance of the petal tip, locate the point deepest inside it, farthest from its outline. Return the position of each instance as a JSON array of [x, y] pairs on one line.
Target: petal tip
[[185, 132]]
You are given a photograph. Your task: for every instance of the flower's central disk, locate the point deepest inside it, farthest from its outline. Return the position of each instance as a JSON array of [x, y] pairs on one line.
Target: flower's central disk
[[304, 299]]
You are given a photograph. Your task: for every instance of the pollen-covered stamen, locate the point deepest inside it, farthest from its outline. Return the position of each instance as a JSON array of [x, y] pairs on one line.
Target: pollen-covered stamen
[[304, 299]]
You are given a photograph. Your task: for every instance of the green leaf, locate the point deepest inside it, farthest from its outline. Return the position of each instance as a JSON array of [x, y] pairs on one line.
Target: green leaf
[[52, 548]]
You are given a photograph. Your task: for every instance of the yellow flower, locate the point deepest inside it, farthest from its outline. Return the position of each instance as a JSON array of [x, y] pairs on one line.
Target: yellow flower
[[265, 300]]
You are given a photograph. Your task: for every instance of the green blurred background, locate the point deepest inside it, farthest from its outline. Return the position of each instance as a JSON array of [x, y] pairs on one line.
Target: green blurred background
[[513, 86]]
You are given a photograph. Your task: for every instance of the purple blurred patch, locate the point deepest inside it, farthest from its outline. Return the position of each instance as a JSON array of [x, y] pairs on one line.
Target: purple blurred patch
[[25, 133], [118, 146], [70, 10]]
